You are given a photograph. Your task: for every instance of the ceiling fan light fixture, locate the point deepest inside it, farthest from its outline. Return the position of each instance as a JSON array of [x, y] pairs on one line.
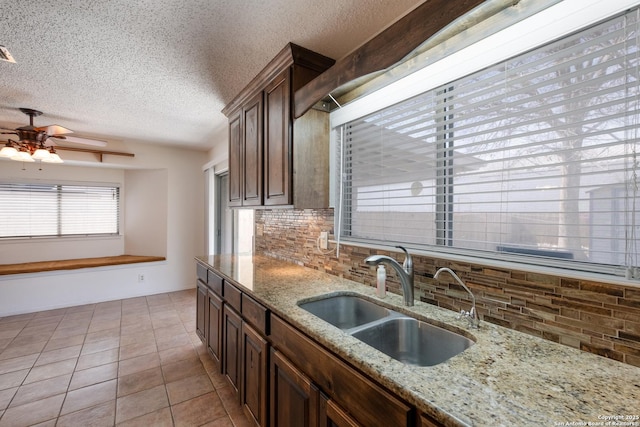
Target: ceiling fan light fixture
[[8, 151], [41, 154], [53, 158], [23, 156]]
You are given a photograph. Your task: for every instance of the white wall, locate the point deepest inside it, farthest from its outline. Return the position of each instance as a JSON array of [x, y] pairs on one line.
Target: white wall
[[170, 180], [145, 213]]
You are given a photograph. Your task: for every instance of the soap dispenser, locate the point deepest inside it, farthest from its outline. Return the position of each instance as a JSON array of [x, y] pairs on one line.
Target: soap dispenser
[[381, 290]]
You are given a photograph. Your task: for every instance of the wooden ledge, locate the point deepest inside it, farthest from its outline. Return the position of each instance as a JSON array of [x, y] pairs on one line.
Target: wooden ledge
[[73, 264]]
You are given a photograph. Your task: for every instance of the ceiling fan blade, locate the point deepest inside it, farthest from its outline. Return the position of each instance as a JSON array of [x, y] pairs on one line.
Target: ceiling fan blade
[[79, 140], [54, 130]]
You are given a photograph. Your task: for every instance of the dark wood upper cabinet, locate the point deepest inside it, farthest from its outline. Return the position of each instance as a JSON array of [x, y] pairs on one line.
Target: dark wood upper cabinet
[[264, 138], [235, 160], [251, 128], [277, 141]]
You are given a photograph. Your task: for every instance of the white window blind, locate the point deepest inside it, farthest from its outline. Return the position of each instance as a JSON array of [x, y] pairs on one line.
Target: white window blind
[[533, 157], [36, 210]]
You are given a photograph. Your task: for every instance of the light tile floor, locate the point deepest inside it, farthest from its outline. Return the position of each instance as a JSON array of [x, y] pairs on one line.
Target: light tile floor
[[131, 362]]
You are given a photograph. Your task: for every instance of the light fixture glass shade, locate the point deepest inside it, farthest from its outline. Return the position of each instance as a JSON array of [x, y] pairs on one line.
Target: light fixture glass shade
[[41, 154], [53, 158], [23, 156], [8, 151]]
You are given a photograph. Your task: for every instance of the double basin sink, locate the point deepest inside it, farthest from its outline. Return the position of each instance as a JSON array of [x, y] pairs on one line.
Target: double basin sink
[[403, 338]]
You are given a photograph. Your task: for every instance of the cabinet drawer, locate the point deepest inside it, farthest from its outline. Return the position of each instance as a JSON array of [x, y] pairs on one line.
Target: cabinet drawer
[[215, 282], [256, 314], [201, 272], [233, 296], [340, 381]]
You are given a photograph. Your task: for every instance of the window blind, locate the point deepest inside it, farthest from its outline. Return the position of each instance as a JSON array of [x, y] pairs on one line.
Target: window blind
[[533, 157], [36, 210]]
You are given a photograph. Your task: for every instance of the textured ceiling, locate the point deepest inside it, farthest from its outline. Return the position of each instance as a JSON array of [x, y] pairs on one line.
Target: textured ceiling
[[160, 71]]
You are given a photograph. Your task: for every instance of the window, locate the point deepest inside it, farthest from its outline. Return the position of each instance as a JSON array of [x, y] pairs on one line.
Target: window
[[38, 210], [532, 158]]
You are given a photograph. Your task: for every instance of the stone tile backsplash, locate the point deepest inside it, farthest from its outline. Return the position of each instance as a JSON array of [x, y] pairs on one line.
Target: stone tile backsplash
[[596, 317]]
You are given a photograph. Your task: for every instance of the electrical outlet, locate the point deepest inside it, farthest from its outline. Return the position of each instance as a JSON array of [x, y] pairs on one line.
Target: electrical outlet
[[140, 278], [324, 239]]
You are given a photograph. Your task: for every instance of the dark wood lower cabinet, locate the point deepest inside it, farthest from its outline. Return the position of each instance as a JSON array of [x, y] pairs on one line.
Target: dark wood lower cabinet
[[214, 336], [231, 342], [281, 376], [255, 358], [201, 310], [294, 398], [332, 415]]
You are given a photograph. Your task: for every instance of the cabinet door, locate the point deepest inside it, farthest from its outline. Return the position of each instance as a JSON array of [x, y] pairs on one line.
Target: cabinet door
[[214, 338], [254, 375], [231, 341], [294, 398], [201, 311], [252, 138], [277, 141], [427, 421], [235, 161], [332, 415]]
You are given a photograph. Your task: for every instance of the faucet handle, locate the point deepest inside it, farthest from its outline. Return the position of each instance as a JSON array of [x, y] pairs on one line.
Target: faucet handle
[[408, 261]]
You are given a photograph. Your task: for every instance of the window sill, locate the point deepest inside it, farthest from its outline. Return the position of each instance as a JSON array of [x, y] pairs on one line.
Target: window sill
[[73, 264]]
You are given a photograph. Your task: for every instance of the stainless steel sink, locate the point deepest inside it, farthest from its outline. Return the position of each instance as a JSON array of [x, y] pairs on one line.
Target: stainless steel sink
[[346, 311], [403, 338], [412, 341]]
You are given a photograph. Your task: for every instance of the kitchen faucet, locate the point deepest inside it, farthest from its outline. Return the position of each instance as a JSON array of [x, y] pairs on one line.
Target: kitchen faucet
[[472, 315], [405, 272]]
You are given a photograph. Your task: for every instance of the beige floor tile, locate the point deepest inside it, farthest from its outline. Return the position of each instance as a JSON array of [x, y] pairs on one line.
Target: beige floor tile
[[159, 299], [9, 333], [93, 375], [96, 359], [69, 332], [136, 350], [102, 345], [32, 413], [220, 422], [182, 369], [57, 343], [40, 322], [175, 354], [137, 364], [57, 355], [13, 379], [145, 326], [103, 325], [198, 411], [140, 338], [174, 341], [50, 370], [160, 418], [95, 416], [87, 397], [140, 381], [39, 390], [102, 335], [13, 351], [6, 396], [141, 403], [188, 388], [18, 363]]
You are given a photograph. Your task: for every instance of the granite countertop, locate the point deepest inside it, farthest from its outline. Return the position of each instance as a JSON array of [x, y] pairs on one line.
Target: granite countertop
[[506, 378]]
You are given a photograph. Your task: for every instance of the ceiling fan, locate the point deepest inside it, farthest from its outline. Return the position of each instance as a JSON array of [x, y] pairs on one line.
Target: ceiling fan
[[37, 143]]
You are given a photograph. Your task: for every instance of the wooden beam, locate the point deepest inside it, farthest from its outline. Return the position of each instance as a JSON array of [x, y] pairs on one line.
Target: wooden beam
[[94, 151], [386, 49]]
